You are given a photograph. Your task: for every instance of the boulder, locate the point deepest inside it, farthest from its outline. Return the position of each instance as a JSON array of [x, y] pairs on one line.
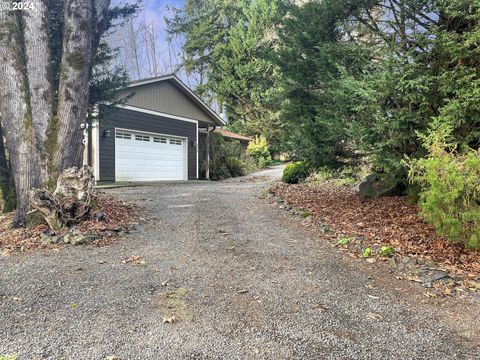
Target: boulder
[[82, 239], [34, 218], [375, 186], [50, 237]]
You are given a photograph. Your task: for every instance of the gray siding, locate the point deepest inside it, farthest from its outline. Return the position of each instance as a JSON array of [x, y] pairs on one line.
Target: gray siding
[[134, 120], [165, 97]]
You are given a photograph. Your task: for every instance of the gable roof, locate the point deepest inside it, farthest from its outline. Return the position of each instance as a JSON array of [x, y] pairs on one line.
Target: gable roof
[[232, 135], [185, 90]]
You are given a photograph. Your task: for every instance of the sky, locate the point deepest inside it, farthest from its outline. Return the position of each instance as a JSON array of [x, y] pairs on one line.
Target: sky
[[153, 13]]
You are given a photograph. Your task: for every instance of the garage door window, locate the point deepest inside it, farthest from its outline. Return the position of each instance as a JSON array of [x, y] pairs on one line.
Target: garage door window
[[159, 140], [175, 142], [122, 135], [142, 138]]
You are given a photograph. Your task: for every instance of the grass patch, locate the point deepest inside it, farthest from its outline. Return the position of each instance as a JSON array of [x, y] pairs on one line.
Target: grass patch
[[306, 214], [367, 252], [386, 251], [173, 304]]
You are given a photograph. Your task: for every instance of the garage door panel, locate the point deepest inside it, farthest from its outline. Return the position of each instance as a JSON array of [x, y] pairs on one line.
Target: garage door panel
[[159, 158]]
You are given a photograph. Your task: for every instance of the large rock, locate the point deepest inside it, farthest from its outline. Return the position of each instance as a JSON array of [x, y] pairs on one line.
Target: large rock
[[34, 218], [374, 186]]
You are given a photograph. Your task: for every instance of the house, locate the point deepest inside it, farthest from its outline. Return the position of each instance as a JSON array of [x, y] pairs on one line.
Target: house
[[159, 134], [231, 136]]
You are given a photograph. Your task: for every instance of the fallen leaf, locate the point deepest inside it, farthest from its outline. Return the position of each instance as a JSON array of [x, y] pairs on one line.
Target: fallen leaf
[[169, 320], [374, 316], [319, 307]]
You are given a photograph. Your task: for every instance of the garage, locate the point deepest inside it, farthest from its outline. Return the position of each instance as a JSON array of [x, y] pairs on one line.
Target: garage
[[141, 156], [152, 136]]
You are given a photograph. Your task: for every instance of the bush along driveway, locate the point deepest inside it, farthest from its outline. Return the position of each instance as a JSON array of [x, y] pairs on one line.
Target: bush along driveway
[[219, 273]]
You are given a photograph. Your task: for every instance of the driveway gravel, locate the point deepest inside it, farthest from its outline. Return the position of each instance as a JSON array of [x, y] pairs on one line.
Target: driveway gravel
[[245, 279]]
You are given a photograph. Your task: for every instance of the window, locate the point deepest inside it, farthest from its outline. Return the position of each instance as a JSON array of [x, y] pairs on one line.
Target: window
[[142, 138], [122, 135], [159, 140], [175, 142]]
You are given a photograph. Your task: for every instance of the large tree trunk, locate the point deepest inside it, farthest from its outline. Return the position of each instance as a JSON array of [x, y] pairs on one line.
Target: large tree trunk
[[27, 94], [16, 113], [38, 60], [84, 21], [6, 182]]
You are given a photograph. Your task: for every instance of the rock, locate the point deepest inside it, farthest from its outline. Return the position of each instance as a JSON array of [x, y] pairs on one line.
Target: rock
[[34, 218], [48, 238], [308, 220], [67, 238], [115, 229], [374, 186], [438, 275], [99, 216], [83, 239]]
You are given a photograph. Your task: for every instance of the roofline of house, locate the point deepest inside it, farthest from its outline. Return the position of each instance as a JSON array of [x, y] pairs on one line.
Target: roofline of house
[[180, 84], [232, 135]]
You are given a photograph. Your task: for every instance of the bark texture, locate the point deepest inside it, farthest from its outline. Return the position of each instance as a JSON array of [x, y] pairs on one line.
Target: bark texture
[[37, 57], [84, 23], [70, 202], [22, 145], [41, 123], [7, 203]]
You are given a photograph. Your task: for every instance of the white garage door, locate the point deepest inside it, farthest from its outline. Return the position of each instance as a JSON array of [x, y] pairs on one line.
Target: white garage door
[[147, 157]]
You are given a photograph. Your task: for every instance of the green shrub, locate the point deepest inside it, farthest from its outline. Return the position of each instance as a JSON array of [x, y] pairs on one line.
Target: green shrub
[[258, 150], [235, 166], [262, 162], [450, 189], [295, 172], [225, 159]]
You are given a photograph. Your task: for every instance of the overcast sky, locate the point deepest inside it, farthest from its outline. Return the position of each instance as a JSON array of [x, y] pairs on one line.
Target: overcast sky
[[153, 13]]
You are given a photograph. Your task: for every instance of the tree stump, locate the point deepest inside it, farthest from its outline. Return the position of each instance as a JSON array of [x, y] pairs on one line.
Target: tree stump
[[70, 202]]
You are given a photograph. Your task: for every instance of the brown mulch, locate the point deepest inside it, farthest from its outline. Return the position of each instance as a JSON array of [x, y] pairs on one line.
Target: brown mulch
[[116, 213], [384, 221]]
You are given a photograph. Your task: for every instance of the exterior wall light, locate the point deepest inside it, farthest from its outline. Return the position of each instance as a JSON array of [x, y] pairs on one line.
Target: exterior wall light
[[106, 133]]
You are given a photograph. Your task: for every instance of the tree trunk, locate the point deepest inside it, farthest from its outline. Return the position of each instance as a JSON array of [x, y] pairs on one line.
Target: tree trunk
[[38, 60], [16, 113], [6, 181], [83, 27], [70, 202], [27, 94]]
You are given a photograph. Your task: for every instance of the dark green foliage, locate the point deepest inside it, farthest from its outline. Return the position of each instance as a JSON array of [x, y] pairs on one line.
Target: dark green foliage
[[225, 159], [296, 172], [230, 43]]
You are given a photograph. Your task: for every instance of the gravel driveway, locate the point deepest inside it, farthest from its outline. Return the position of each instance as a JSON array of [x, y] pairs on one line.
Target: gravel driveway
[[248, 280]]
